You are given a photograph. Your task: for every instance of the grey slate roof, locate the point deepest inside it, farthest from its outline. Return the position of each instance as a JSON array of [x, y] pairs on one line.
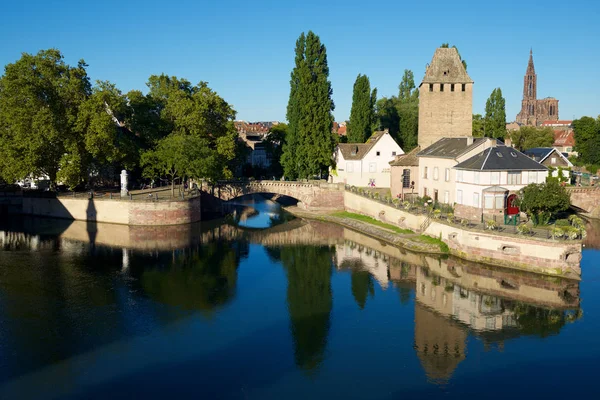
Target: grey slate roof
[[501, 158], [450, 147], [538, 153], [357, 151], [446, 67]]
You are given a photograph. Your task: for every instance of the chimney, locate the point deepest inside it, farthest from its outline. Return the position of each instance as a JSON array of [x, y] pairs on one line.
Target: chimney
[[469, 140]]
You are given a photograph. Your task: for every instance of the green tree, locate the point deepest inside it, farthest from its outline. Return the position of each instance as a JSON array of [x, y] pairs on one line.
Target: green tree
[[362, 113], [309, 144], [495, 115], [478, 125], [587, 140], [387, 116], [528, 137], [408, 112], [40, 97], [543, 200], [195, 111], [274, 143]]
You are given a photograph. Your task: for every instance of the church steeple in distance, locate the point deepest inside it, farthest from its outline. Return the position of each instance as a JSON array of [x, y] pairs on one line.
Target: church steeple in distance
[[530, 83]]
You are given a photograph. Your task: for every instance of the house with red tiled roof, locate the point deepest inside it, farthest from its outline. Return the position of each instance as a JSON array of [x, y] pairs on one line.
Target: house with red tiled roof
[[564, 141]]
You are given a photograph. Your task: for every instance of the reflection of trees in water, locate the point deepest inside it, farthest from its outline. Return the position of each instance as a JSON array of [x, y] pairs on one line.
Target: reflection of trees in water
[[201, 278], [309, 299], [542, 322], [362, 286]]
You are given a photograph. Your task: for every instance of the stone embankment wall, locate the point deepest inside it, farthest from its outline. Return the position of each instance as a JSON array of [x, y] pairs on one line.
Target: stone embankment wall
[[126, 212], [359, 204], [538, 255], [557, 257]]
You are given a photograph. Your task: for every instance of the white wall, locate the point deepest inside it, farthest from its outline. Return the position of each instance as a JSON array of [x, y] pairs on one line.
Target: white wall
[[362, 173], [475, 181]]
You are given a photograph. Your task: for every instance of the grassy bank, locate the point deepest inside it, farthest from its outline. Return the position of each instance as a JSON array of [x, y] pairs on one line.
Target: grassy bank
[[431, 240], [373, 221]]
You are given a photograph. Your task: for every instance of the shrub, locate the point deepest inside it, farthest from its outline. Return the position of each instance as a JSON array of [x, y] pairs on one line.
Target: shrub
[[376, 195], [437, 214], [406, 205], [464, 222], [523, 229], [396, 201], [450, 218], [491, 224], [557, 232], [576, 221], [562, 222]]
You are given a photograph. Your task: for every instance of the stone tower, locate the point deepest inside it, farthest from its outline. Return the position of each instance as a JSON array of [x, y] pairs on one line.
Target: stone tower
[[534, 111], [445, 99]]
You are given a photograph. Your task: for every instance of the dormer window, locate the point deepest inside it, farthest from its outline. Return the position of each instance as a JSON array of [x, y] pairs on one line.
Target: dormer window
[[452, 87], [441, 87], [378, 153], [354, 151], [463, 87], [431, 87]]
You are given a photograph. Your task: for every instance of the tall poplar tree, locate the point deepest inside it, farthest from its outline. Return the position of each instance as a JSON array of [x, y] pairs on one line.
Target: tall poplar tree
[[362, 113], [408, 111], [309, 142], [495, 115]]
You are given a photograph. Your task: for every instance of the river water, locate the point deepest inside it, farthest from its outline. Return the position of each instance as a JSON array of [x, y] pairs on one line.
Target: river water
[[265, 306]]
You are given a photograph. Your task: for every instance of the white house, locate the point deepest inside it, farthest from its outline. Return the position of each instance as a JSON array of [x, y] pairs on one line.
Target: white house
[[489, 182], [436, 176], [366, 164]]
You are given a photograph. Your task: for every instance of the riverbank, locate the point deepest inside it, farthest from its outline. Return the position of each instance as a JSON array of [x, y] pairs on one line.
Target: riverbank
[[408, 240], [538, 256]]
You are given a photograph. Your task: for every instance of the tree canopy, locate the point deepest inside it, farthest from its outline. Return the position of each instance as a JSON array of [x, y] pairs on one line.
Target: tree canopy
[[362, 113], [528, 137], [542, 200], [274, 143], [495, 115], [587, 140], [40, 98], [308, 150], [400, 114]]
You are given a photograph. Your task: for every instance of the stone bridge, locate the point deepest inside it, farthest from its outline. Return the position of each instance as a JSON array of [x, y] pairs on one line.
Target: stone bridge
[[311, 195], [586, 200]]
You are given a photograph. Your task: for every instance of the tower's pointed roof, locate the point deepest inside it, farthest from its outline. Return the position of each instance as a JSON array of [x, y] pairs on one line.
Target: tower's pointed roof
[[446, 67], [530, 67]]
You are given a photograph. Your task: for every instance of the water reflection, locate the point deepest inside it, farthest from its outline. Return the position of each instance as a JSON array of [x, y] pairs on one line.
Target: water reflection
[[62, 295], [257, 211], [309, 300]]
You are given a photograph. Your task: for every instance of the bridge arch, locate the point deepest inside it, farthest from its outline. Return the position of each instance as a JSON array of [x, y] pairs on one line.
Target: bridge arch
[[311, 195]]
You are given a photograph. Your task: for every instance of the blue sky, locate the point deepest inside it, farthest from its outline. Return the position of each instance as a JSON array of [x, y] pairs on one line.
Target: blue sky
[[245, 49]]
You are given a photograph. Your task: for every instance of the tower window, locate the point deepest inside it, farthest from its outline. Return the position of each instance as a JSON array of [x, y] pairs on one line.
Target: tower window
[[463, 87], [452, 87], [431, 87], [441, 87]]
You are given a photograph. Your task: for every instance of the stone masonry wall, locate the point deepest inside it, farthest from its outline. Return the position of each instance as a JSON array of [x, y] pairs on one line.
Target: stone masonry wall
[[537, 255], [116, 211], [468, 212], [444, 114], [385, 213], [586, 198]]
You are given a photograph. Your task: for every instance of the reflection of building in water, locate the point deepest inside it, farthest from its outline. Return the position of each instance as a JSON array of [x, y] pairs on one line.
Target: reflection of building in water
[[352, 255], [440, 343]]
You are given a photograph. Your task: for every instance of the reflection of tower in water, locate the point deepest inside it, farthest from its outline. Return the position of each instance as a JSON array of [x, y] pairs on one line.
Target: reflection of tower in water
[[440, 343]]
